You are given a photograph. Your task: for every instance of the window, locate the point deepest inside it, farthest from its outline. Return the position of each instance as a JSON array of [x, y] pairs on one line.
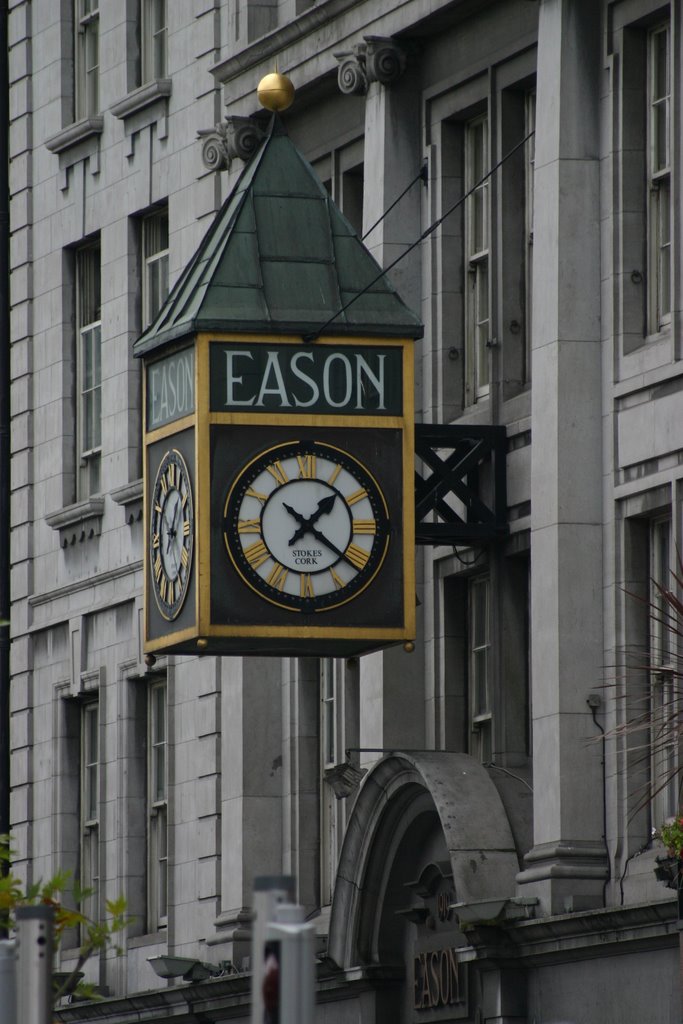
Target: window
[[154, 33], [663, 690], [659, 178], [155, 264], [89, 369], [330, 805], [342, 174], [90, 776], [477, 259], [479, 644], [87, 58], [157, 803]]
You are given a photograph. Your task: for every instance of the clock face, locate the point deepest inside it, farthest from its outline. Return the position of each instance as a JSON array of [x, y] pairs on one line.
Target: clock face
[[171, 538], [306, 526]]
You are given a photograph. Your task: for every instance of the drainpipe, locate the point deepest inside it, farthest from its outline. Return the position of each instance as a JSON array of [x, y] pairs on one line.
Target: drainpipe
[[4, 427]]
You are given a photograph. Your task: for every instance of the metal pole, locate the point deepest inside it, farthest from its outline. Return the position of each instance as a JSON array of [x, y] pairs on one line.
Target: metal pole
[[8, 1001], [269, 892], [34, 964]]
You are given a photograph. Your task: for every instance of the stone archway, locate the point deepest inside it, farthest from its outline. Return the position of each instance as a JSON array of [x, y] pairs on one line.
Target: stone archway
[[413, 810]]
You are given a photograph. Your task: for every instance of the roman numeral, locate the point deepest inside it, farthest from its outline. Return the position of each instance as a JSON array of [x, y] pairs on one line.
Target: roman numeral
[[251, 493], [249, 526], [335, 473], [155, 540], [171, 592], [306, 585], [357, 556], [163, 583], [306, 466], [186, 528], [277, 472], [158, 568], [358, 495], [337, 580], [277, 577], [170, 473], [364, 526], [257, 554], [164, 485], [184, 557]]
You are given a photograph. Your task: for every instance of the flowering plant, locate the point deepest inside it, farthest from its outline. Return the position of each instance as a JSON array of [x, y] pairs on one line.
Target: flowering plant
[[671, 834]]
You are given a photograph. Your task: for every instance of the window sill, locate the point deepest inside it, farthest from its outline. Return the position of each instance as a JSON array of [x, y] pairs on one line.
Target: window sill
[[148, 939], [75, 133], [130, 497], [78, 522], [141, 98]]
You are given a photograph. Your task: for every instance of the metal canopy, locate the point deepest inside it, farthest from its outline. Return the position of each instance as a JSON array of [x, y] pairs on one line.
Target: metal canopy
[[280, 258], [460, 462]]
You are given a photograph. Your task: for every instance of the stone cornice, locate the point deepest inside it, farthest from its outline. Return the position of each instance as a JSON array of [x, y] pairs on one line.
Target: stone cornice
[[87, 583], [275, 42], [75, 133], [150, 92]]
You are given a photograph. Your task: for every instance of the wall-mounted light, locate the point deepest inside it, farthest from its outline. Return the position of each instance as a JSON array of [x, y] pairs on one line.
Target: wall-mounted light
[[188, 969]]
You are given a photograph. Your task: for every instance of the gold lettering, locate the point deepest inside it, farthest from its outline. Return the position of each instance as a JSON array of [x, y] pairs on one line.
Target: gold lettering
[[249, 526], [337, 580], [277, 472], [361, 493], [306, 586], [364, 526], [256, 554], [357, 556], [306, 466], [277, 577]]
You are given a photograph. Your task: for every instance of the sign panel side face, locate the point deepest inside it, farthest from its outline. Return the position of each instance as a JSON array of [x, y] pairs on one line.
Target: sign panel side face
[[170, 388], [351, 379], [203, 483], [170, 572]]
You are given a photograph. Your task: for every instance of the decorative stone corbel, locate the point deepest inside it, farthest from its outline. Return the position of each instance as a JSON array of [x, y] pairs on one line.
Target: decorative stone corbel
[[235, 137], [376, 59]]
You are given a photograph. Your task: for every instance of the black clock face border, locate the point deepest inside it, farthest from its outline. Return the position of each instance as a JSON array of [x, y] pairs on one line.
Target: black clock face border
[[171, 534], [306, 526]]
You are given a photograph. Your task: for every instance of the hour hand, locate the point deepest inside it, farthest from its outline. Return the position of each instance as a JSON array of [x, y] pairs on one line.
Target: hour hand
[[306, 524], [293, 512]]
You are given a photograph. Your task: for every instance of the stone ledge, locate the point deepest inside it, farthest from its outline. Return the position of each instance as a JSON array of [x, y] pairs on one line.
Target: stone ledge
[[74, 133], [130, 497], [81, 521], [144, 96]]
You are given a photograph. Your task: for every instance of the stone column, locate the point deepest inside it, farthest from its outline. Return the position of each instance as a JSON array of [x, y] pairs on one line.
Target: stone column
[[251, 792], [567, 866]]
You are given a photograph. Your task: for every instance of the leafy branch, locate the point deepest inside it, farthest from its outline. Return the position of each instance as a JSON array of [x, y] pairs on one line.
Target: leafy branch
[[66, 897]]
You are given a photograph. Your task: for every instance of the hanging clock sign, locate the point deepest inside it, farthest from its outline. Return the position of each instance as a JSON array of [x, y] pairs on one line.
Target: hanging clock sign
[[279, 496]]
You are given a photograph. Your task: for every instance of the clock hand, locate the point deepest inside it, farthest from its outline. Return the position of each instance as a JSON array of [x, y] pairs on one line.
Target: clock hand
[[292, 511], [333, 547], [306, 525]]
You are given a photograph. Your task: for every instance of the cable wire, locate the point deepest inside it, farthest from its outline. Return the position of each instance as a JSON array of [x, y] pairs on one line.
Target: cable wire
[[420, 176], [313, 336]]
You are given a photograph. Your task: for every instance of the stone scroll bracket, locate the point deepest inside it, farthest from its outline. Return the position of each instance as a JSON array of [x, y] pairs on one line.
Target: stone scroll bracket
[[236, 137], [376, 59]]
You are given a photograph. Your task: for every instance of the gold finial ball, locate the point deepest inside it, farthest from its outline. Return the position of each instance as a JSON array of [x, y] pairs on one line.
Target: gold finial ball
[[409, 647], [202, 643], [275, 92]]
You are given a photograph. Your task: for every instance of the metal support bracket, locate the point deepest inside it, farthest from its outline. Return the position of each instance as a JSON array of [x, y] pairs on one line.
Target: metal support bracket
[[460, 490]]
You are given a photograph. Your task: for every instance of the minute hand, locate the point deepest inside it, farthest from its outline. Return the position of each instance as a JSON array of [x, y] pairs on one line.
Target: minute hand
[[306, 523], [333, 547]]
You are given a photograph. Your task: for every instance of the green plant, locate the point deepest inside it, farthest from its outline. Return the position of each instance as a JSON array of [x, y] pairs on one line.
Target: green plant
[[65, 896], [671, 834]]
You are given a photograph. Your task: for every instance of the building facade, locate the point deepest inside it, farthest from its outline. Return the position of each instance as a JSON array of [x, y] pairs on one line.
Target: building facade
[[496, 862]]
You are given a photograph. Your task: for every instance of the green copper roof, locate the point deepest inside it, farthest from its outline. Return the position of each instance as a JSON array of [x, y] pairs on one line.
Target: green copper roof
[[280, 258]]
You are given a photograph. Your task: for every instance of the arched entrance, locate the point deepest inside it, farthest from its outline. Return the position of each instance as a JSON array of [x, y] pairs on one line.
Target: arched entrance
[[426, 831]]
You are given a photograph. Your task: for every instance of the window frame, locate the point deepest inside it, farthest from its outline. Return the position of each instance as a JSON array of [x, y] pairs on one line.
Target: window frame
[[154, 54], [477, 260], [664, 746], [154, 255], [659, 186], [157, 807], [89, 811], [479, 642], [86, 72], [88, 270]]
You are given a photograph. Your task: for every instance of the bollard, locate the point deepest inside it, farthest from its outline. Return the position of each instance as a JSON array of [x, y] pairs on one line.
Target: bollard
[[34, 964], [269, 891], [289, 975], [8, 1002]]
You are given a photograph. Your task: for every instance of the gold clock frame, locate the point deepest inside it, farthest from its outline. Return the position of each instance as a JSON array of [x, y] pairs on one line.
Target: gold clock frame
[[203, 636]]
